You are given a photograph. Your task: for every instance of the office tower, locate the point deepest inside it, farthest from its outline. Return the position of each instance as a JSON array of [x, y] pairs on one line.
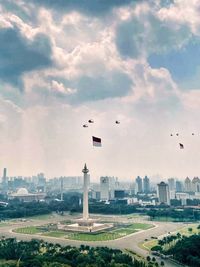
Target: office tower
[[172, 188], [5, 180], [104, 188], [138, 185], [4, 173], [163, 193], [146, 185], [196, 184], [171, 183], [179, 186], [61, 188], [188, 185]]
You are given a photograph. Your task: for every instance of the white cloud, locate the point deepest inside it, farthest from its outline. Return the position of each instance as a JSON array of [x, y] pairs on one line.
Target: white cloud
[[60, 88], [182, 12]]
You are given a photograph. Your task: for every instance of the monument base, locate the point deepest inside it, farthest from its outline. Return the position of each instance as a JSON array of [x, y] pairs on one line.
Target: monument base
[[81, 225]]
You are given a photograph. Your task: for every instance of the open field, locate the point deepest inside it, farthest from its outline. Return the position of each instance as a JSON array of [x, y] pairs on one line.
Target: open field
[[32, 230], [112, 234]]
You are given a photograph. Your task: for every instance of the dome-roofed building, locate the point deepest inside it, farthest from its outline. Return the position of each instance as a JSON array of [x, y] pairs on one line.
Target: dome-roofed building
[[23, 195], [22, 191]]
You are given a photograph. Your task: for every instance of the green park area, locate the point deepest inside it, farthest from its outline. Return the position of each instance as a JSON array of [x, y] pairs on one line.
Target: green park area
[[188, 230], [110, 234]]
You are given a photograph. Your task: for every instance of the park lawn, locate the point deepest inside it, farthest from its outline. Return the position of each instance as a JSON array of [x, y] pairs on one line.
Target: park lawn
[[184, 230], [55, 233], [141, 226], [101, 236], [148, 244], [110, 235], [93, 237], [31, 230], [3, 224]]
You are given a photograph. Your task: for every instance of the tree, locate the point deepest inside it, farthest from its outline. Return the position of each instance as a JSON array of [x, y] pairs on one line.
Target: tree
[[148, 258], [190, 230]]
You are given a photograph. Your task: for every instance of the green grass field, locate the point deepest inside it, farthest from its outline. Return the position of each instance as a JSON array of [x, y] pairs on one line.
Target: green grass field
[[55, 234], [112, 234], [32, 230], [4, 224]]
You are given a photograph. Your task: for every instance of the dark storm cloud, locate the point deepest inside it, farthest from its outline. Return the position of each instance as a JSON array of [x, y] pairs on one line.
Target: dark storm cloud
[[91, 7], [19, 55]]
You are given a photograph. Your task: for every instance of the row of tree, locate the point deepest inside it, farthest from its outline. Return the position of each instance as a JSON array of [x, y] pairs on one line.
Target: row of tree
[[41, 254], [188, 214], [181, 248]]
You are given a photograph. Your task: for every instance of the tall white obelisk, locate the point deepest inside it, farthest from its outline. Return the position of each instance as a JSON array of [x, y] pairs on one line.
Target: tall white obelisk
[[85, 193]]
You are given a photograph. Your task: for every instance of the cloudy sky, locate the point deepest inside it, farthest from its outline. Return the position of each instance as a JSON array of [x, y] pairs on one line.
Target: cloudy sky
[[66, 61]]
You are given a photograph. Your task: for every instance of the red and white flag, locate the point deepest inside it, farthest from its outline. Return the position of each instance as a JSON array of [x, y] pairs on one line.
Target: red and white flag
[[96, 141]]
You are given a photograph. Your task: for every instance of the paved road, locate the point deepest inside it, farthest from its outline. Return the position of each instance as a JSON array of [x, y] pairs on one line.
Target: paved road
[[130, 242]]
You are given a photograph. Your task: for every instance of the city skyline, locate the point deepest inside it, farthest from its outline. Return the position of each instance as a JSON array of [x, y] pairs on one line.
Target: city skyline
[[131, 61]]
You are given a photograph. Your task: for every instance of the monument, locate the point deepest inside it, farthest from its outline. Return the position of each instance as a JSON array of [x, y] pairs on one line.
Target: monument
[[85, 224]]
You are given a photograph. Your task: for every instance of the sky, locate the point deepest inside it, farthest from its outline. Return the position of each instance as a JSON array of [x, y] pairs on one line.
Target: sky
[[67, 61]]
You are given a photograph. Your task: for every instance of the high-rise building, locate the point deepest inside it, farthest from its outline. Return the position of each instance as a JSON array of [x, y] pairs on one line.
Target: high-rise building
[[179, 186], [138, 185], [196, 184], [188, 185], [104, 188], [163, 193], [171, 183], [5, 180], [146, 185]]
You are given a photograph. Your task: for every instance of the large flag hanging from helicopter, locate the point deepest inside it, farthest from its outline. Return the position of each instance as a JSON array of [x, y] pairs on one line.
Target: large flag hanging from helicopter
[[96, 141]]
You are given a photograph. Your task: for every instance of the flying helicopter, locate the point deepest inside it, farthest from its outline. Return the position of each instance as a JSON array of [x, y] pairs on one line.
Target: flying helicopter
[[117, 122], [91, 121], [85, 126]]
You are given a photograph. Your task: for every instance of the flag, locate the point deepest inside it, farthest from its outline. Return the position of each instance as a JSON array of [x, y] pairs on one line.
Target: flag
[[96, 141], [181, 146]]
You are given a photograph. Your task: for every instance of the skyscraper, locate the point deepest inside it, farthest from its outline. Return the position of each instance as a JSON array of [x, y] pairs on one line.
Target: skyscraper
[[171, 183], [196, 184], [188, 185], [5, 180], [146, 185], [104, 188], [179, 186], [163, 193], [138, 185]]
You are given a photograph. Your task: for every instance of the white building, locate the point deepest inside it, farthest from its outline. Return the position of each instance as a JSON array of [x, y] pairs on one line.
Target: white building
[[104, 188], [163, 193], [172, 185], [23, 195], [183, 197]]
